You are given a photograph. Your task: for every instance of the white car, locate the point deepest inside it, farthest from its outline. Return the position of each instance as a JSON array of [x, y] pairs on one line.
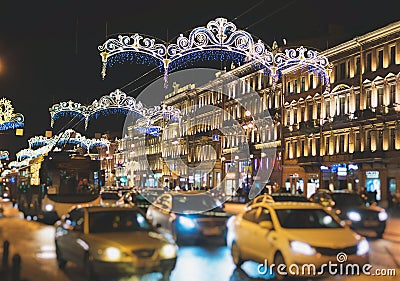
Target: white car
[[293, 233]]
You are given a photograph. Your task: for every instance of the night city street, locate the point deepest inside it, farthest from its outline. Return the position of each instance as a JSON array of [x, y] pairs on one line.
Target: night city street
[[197, 261], [199, 141]]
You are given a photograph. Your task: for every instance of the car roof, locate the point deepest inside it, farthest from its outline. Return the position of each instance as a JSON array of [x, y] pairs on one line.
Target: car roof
[[286, 194], [286, 205], [106, 207], [189, 193], [336, 191]]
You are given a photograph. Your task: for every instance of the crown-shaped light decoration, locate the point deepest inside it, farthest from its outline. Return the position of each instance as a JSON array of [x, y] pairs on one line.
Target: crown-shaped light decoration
[[69, 136], [9, 119], [218, 40], [115, 102], [40, 145], [4, 154]]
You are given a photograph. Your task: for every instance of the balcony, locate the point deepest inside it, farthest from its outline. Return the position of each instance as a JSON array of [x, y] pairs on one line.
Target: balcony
[[309, 160], [367, 156]]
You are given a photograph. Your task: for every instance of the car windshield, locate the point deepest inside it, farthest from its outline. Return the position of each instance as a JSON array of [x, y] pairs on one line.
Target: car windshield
[[117, 221], [188, 203], [306, 218], [347, 200]]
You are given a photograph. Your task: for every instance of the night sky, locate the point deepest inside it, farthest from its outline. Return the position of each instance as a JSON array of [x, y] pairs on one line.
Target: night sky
[[48, 49]]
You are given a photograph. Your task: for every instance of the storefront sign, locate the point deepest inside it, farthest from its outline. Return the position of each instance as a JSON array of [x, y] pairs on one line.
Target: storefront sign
[[372, 174], [342, 171]]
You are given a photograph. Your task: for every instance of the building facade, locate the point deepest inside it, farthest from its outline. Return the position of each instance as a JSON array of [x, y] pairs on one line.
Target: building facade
[[337, 136]]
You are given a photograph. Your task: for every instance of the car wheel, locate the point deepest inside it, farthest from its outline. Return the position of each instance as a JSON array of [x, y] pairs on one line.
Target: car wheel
[[235, 252], [60, 261], [88, 267], [166, 275], [278, 259]]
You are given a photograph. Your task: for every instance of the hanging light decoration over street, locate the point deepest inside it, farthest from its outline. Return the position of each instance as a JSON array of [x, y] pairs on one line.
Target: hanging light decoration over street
[[218, 40]]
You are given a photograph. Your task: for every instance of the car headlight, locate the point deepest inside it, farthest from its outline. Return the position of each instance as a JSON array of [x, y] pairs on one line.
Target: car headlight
[[302, 248], [354, 216], [112, 253], [168, 251], [186, 222], [383, 216], [362, 247], [49, 207]]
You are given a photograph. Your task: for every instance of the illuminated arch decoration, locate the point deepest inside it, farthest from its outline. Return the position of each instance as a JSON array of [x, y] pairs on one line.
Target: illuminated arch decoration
[[4, 154], [219, 39], [40, 145], [9, 119], [116, 102], [69, 136]]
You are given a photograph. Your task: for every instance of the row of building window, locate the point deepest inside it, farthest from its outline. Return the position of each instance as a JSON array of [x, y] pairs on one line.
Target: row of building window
[[346, 103], [382, 60], [369, 140]]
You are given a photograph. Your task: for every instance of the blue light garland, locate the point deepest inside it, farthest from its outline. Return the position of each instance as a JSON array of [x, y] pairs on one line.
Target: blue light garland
[[134, 58], [11, 125], [206, 55], [66, 113], [109, 111]]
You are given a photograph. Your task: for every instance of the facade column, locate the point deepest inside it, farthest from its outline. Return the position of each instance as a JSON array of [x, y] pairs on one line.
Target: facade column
[[306, 147], [351, 141], [314, 146], [373, 145], [386, 94], [362, 139], [331, 144], [352, 101], [374, 96], [397, 95], [385, 138], [397, 136]]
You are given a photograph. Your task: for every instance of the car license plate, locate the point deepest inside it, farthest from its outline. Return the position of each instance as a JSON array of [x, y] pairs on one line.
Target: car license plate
[[212, 231], [371, 223], [142, 263]]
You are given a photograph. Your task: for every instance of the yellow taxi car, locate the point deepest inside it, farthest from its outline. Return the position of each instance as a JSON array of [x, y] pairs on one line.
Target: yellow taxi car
[[293, 233], [113, 240]]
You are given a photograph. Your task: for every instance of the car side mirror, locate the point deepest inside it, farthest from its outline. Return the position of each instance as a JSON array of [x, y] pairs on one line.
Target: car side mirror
[[266, 225]]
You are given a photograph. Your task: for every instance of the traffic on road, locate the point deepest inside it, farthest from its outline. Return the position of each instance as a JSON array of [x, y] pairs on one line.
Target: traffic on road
[[175, 238]]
